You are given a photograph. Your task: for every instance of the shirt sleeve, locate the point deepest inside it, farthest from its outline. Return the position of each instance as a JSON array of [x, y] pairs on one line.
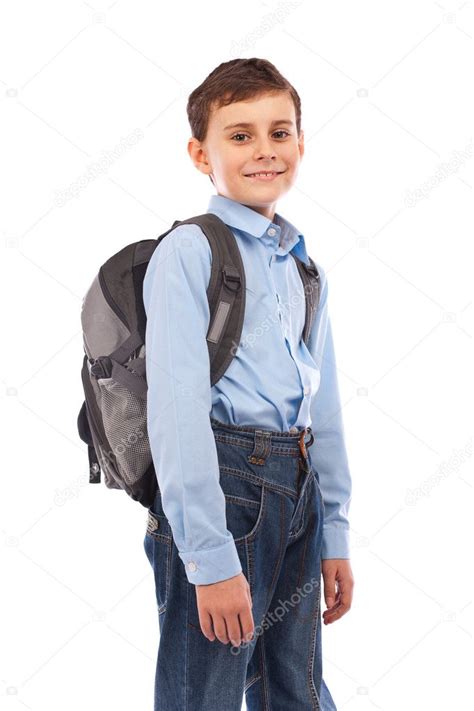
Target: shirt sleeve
[[179, 404], [328, 453]]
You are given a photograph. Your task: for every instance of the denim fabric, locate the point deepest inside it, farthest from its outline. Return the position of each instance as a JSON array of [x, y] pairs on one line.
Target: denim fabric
[[275, 512]]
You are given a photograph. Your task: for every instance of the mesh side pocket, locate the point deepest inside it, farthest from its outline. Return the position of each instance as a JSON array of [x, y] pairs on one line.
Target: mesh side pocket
[[125, 425]]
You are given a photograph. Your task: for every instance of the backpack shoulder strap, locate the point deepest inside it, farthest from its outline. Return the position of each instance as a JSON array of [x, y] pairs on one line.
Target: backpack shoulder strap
[[225, 292], [311, 283]]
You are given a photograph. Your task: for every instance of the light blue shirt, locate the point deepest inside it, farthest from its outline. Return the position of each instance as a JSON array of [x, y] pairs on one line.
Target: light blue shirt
[[274, 381]]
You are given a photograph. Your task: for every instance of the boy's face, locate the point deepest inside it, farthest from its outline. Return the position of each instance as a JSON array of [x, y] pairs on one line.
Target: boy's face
[[270, 143]]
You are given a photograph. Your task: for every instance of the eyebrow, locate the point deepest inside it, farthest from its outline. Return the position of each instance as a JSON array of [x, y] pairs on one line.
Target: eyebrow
[[251, 125]]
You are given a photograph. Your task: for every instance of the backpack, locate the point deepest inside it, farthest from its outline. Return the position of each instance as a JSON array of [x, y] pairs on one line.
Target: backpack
[[112, 420]]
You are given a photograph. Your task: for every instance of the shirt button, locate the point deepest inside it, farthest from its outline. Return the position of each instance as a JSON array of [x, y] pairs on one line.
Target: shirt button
[[192, 566], [271, 231], [293, 429], [307, 390]]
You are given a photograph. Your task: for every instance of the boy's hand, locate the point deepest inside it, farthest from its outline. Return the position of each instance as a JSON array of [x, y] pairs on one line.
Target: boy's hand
[[337, 570], [220, 605]]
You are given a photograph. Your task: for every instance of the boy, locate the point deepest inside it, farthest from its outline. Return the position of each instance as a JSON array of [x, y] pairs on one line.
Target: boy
[[246, 517]]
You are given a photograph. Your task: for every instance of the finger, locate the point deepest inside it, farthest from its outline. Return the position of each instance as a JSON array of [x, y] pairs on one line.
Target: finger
[[247, 624], [233, 630], [220, 629], [344, 595], [334, 616], [333, 609], [205, 620], [346, 598], [336, 612], [330, 589], [337, 602]]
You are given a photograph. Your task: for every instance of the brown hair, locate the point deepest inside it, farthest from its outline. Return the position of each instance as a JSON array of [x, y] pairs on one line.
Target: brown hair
[[236, 80]]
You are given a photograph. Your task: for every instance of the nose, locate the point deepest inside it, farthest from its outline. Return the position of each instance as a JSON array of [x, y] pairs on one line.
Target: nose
[[264, 150]]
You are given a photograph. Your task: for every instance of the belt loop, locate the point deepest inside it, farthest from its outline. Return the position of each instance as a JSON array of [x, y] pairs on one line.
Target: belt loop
[[262, 447]]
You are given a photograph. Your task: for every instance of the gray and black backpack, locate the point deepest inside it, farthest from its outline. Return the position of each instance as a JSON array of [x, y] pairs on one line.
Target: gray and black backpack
[[112, 420]]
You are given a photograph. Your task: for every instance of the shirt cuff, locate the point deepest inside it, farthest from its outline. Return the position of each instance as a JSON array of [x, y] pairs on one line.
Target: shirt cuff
[[211, 565], [336, 543]]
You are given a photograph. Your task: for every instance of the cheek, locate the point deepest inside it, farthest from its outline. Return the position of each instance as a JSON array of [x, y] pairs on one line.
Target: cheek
[[232, 165], [292, 165], [292, 156]]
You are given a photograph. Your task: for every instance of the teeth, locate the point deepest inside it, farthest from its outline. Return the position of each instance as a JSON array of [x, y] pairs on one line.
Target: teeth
[[255, 174]]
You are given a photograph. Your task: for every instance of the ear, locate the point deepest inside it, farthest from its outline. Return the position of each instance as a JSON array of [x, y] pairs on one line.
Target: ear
[[198, 155], [301, 143]]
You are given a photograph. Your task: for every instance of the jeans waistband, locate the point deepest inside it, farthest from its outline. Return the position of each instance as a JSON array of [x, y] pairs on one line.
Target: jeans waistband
[[299, 440]]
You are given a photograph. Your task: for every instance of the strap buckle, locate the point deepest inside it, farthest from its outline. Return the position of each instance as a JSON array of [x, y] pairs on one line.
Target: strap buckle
[[231, 278], [101, 367]]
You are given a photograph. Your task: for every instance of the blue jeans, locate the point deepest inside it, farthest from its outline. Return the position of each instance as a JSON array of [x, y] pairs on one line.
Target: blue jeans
[[275, 511]]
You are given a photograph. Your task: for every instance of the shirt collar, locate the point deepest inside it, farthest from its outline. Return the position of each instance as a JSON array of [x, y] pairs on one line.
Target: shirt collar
[[244, 218]]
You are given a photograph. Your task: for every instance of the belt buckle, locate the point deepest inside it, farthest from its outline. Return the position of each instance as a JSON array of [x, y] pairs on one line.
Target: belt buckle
[[303, 448]]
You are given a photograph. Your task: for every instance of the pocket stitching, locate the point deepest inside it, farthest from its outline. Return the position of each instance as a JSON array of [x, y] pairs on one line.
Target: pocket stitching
[[167, 580], [241, 501], [251, 535], [163, 539]]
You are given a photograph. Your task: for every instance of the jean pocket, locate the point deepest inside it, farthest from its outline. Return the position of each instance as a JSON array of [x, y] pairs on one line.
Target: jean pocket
[[244, 504], [158, 545]]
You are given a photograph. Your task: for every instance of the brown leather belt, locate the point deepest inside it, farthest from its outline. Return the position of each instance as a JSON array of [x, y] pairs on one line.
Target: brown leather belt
[[303, 444]]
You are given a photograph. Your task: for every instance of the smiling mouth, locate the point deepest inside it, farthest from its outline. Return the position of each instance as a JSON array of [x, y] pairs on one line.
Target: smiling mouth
[[265, 175]]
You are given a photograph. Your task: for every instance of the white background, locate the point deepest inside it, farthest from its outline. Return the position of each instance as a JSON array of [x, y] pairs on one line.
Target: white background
[[382, 199]]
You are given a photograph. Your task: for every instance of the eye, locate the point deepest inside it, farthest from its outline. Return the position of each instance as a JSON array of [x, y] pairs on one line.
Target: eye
[[236, 135]]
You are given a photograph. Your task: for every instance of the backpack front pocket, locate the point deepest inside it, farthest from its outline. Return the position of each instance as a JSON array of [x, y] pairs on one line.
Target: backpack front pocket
[[118, 398], [125, 425]]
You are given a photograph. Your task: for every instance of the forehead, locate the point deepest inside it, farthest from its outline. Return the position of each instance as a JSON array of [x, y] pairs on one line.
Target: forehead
[[260, 111]]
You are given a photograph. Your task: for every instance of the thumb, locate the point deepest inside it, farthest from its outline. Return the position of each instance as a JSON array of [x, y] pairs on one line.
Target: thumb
[[249, 595], [330, 590]]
